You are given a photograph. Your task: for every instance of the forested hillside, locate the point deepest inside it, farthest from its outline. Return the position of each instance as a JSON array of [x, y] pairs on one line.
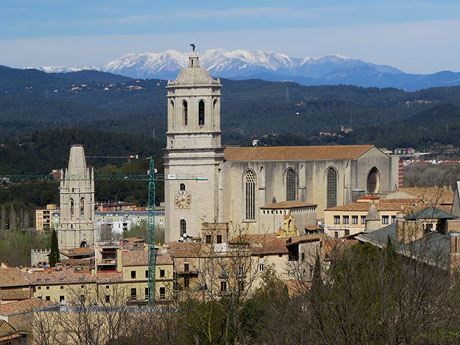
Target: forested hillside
[[276, 112]]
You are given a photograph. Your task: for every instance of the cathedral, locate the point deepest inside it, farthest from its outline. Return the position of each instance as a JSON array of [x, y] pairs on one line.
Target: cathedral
[[240, 185]]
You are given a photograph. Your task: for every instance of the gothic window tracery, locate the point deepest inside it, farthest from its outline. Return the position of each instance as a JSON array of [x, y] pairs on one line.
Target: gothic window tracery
[[250, 189], [291, 185], [331, 187]]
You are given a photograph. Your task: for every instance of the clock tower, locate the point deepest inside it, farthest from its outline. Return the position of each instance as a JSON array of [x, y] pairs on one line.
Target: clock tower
[[193, 150]]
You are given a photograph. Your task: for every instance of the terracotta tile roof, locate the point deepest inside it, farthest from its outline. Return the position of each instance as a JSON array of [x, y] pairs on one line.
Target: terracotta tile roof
[[365, 206], [140, 258], [184, 249], [332, 246], [14, 294], [133, 239], [288, 204], [8, 333], [77, 251], [264, 244], [69, 275], [12, 277], [295, 152], [433, 195], [24, 306]]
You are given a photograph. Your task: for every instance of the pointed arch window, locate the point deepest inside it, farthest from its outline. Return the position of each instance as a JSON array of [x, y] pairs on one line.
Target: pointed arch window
[[183, 227], [201, 113], [250, 193], [182, 186], [291, 185], [185, 113], [331, 187]]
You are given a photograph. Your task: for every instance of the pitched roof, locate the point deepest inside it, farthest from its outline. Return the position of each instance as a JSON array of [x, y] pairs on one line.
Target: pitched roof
[[288, 153], [430, 212], [8, 332], [434, 195], [69, 275], [365, 206], [141, 258], [265, 244], [12, 277], [24, 306], [14, 294], [432, 248], [288, 205], [184, 249], [77, 251]]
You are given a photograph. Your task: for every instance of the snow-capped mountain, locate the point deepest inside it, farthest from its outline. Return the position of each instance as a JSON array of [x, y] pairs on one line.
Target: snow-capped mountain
[[271, 66], [236, 64]]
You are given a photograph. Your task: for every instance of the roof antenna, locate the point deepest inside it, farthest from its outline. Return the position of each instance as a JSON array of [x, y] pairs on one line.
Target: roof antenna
[[193, 46]]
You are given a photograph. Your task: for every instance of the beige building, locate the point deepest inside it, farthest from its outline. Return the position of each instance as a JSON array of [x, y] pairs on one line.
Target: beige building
[[242, 180], [350, 219], [77, 226], [43, 217]]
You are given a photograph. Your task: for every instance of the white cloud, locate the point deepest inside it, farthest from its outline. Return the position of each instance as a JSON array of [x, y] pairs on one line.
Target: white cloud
[[418, 47]]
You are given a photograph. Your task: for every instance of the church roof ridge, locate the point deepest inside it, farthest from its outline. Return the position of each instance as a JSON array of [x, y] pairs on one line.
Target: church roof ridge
[[288, 204], [268, 153]]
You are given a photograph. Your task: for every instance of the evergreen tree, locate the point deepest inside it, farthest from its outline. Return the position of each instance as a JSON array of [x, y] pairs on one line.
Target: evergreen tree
[[54, 255], [3, 218], [13, 224]]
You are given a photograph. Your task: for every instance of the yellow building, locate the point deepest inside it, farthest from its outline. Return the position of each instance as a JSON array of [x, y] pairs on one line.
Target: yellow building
[[350, 219], [43, 217]]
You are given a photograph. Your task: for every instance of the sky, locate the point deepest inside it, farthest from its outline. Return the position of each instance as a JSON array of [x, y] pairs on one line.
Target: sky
[[414, 36]]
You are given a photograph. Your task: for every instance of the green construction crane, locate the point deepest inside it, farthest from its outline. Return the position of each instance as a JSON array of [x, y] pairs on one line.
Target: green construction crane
[[151, 179]]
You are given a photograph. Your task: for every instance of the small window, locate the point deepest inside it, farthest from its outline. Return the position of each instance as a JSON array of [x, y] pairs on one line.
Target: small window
[[336, 234], [39, 288], [347, 232], [186, 282], [241, 286], [240, 270], [47, 288], [184, 113], [182, 186], [346, 220], [107, 299], [219, 238], [363, 219], [336, 219], [385, 219], [393, 219], [208, 239], [303, 256], [133, 294], [61, 299], [146, 273], [48, 298], [107, 287], [146, 294], [82, 298], [162, 273], [223, 286], [133, 274], [62, 287], [162, 293], [354, 219], [186, 267], [261, 267]]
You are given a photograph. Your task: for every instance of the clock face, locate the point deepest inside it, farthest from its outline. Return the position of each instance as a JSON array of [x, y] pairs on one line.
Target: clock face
[[183, 199]]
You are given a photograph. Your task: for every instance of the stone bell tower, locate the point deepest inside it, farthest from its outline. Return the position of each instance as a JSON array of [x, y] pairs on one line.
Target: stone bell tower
[[193, 149], [77, 226]]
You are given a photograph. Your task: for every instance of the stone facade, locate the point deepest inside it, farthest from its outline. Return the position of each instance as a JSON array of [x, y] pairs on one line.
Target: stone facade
[[77, 226], [275, 174]]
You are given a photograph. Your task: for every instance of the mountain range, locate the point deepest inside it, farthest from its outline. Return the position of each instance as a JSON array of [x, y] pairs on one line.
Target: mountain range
[[255, 64]]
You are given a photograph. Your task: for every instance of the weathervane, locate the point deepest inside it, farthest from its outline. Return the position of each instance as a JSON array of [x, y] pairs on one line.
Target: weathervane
[[193, 46]]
